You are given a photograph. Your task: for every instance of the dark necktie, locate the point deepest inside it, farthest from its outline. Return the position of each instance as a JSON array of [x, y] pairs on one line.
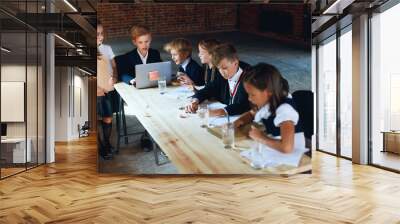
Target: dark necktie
[[180, 69]]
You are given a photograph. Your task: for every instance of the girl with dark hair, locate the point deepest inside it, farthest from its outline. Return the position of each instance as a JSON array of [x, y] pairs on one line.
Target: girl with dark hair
[[268, 91]]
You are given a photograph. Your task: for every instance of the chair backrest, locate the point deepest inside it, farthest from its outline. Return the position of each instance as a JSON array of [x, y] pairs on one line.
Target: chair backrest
[[304, 100], [86, 125], [123, 66]]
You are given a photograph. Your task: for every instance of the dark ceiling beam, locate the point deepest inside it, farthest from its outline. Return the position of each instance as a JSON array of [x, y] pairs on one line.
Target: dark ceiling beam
[[91, 5], [15, 18], [337, 7], [78, 18], [44, 22], [85, 25], [78, 61]]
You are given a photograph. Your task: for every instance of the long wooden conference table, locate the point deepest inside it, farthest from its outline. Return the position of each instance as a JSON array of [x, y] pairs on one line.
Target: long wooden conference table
[[191, 148]]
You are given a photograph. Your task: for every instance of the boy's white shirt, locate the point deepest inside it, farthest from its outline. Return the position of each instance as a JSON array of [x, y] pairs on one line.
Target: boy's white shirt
[[144, 59], [235, 78]]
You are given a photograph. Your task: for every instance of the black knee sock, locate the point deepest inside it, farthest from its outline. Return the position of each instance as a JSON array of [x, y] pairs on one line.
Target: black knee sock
[[100, 146], [107, 133]]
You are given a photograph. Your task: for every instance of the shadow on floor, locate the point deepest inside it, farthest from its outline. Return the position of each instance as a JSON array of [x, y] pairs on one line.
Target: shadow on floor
[[131, 158]]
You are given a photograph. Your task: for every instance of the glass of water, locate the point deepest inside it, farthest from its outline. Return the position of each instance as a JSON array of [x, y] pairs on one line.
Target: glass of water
[[228, 135], [203, 114], [257, 161], [162, 85]]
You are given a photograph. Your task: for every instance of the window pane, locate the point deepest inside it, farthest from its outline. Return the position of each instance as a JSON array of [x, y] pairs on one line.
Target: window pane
[[346, 94], [327, 97]]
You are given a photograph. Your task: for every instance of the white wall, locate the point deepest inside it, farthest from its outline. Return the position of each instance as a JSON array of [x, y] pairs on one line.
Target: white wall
[[12, 73], [71, 102], [61, 104]]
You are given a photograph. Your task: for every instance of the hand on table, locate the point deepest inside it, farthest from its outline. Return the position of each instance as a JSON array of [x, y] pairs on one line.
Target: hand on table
[[192, 107], [239, 123], [184, 79], [256, 134]]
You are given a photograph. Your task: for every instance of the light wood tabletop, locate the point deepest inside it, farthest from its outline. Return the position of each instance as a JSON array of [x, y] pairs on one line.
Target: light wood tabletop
[[191, 148]]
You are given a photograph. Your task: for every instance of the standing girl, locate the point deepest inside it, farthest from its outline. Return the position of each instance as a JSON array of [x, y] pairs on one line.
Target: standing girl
[[104, 98]]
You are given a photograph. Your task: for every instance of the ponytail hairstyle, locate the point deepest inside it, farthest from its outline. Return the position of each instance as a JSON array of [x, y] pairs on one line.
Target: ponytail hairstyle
[[266, 77]]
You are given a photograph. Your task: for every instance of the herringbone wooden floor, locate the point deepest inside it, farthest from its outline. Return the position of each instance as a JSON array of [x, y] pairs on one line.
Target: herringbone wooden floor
[[71, 191]]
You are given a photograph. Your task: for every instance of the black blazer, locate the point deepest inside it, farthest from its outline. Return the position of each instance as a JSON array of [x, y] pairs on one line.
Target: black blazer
[[126, 63], [219, 90], [194, 71], [210, 74]]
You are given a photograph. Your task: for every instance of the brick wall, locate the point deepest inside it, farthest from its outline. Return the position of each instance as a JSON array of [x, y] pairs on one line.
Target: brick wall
[[249, 21], [189, 18], [171, 18]]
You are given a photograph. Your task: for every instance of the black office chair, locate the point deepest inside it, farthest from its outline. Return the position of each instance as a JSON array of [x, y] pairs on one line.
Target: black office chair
[[121, 63], [304, 100], [83, 130]]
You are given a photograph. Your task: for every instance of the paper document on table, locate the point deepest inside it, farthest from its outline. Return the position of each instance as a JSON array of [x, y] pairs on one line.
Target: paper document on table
[[268, 157], [219, 121], [179, 92]]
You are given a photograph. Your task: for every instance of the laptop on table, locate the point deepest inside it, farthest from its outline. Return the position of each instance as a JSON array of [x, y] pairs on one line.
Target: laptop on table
[[145, 77]]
